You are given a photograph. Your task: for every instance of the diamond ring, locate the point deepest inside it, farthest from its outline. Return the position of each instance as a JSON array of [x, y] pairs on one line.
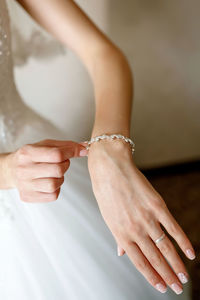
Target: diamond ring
[[160, 238]]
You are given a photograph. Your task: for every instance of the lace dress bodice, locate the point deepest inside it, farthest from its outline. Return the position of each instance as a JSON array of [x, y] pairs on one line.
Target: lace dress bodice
[[19, 124], [8, 112]]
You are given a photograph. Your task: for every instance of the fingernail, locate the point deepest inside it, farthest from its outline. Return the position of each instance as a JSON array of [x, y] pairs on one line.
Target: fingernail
[[190, 254], [182, 277], [176, 288], [83, 152], [161, 288], [118, 252]]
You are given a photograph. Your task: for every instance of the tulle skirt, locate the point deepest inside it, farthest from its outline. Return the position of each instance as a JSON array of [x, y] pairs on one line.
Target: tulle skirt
[[64, 250]]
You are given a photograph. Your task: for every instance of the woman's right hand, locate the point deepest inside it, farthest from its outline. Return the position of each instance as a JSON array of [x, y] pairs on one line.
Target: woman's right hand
[[37, 170]]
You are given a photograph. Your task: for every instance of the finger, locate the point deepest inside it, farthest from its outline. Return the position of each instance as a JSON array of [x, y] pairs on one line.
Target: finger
[[174, 229], [46, 185], [169, 252], [142, 264], [40, 153], [57, 143], [159, 263], [36, 197], [42, 170]]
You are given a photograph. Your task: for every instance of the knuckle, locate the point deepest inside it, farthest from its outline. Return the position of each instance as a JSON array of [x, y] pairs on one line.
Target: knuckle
[[20, 153], [57, 154], [52, 185], [157, 205], [130, 226], [58, 171], [22, 150], [136, 230], [54, 196], [25, 149], [128, 243], [147, 216], [132, 230]]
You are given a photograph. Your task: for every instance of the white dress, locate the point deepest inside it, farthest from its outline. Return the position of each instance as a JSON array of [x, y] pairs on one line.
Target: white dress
[[60, 250]]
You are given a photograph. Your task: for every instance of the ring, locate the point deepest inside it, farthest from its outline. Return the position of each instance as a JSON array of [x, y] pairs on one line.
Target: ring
[[160, 238]]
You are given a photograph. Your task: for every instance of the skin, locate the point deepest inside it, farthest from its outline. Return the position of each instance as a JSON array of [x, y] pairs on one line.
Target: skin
[[132, 209], [37, 170]]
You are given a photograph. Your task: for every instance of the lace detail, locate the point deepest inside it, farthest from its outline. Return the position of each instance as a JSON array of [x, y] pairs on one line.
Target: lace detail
[[19, 124], [35, 42], [4, 48], [5, 45], [11, 105], [37, 46]]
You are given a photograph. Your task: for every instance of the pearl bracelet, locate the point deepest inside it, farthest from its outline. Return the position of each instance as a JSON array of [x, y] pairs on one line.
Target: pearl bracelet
[[111, 137]]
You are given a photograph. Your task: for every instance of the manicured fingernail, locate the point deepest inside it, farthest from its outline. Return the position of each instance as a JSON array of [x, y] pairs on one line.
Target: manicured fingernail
[[176, 288], [182, 277], [83, 152], [190, 254], [161, 288]]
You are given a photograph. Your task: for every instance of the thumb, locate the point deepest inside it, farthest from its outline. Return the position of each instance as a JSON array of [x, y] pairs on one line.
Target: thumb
[[83, 151], [77, 150]]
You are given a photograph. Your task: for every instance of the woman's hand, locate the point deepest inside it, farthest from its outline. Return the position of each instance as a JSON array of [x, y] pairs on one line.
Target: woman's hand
[[133, 211], [37, 170]]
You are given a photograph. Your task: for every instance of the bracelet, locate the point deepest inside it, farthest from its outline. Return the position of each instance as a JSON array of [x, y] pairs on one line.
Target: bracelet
[[111, 137]]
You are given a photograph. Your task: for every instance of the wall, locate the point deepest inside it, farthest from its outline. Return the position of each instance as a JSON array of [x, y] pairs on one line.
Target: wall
[[161, 42]]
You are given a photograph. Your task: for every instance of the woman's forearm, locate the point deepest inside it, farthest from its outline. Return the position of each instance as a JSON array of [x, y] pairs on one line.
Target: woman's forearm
[[113, 87], [103, 60]]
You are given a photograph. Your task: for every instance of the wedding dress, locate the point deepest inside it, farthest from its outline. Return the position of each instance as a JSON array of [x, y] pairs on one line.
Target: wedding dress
[[60, 250]]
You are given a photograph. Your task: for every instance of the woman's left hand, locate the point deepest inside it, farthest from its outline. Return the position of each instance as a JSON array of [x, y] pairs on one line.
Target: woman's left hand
[[133, 210]]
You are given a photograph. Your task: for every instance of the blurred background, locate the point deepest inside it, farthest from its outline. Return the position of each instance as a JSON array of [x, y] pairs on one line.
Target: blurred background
[[161, 41]]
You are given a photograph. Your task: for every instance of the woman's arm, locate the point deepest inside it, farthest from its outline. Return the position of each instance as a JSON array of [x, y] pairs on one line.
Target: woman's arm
[[130, 206], [106, 64]]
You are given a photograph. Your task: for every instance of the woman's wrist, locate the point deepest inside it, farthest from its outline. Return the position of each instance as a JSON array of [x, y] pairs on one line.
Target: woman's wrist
[[116, 147]]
